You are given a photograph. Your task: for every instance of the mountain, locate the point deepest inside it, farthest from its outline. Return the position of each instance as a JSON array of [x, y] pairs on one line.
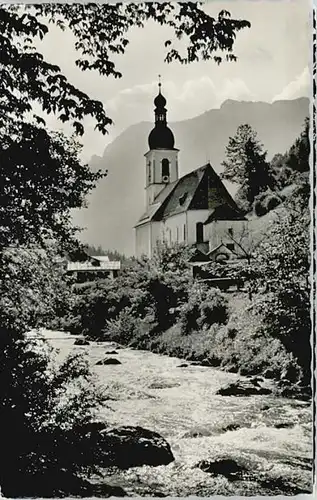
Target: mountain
[[117, 202]]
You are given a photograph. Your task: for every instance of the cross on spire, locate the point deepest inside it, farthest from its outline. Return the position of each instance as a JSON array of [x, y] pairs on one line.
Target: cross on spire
[[159, 84]]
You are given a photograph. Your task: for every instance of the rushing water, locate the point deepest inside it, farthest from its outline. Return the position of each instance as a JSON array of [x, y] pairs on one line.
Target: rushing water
[[270, 435]]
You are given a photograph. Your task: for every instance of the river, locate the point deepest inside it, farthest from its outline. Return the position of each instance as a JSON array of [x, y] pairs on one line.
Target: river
[[272, 436]]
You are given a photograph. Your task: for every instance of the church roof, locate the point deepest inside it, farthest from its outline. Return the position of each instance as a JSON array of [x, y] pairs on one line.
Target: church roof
[[201, 189], [225, 212]]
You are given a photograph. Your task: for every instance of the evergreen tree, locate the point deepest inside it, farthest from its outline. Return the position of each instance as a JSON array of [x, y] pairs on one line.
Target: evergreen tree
[[298, 155], [246, 165]]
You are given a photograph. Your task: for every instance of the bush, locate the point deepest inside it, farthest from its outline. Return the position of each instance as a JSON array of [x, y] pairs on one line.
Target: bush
[[204, 308], [126, 328], [272, 202], [260, 208]]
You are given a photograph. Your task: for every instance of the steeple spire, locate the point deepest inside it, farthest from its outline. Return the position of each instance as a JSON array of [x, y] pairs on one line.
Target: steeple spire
[[161, 137]]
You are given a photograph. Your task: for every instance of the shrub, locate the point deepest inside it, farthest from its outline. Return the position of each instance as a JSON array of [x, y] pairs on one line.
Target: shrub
[[126, 328], [204, 308], [272, 202], [259, 208]]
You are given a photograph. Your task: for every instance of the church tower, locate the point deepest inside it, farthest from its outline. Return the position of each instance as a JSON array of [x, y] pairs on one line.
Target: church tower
[[162, 157]]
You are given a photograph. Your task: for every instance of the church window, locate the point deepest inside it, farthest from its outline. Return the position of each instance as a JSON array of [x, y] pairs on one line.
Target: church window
[[199, 232], [230, 231], [149, 172], [230, 246], [165, 168], [184, 232], [177, 234]]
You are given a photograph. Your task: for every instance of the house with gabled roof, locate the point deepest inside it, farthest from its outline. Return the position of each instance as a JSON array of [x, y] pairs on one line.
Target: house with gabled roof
[[195, 209]]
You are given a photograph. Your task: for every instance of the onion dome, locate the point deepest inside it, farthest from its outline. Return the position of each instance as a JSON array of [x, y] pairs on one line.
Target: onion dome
[[161, 137]]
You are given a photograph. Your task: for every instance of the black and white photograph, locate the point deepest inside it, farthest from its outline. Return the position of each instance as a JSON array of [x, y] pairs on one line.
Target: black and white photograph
[[157, 241]]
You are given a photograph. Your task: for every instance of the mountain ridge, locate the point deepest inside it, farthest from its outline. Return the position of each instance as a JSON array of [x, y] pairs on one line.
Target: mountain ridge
[[118, 201]]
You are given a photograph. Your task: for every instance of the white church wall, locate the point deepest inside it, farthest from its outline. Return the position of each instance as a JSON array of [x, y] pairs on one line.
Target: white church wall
[[225, 231], [143, 240], [155, 236], [174, 229], [194, 216]]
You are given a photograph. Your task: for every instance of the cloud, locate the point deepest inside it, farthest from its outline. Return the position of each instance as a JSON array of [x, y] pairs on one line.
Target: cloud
[[300, 87]]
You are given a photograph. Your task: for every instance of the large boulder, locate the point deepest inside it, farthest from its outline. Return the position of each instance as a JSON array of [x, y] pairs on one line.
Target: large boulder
[[243, 388], [129, 446]]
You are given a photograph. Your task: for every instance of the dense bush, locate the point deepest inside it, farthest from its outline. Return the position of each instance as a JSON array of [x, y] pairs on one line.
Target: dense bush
[[153, 288], [204, 307], [272, 201]]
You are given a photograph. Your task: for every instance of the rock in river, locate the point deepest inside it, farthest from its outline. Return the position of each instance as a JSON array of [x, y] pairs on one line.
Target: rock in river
[[129, 446], [108, 361], [243, 388], [81, 342], [225, 467]]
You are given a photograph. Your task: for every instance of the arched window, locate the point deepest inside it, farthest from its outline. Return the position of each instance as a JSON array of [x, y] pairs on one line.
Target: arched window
[[199, 232], [149, 173], [165, 168]]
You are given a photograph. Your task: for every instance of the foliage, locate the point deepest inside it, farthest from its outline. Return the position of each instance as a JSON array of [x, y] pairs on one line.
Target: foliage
[[298, 155], [171, 257], [33, 288], [283, 267], [289, 168], [205, 307], [128, 329], [39, 410], [265, 202], [143, 291], [246, 165]]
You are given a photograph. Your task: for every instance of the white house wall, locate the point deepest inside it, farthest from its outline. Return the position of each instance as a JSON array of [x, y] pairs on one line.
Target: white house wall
[[217, 232]]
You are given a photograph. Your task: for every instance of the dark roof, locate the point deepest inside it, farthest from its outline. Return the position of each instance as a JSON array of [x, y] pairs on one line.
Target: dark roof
[[201, 189], [225, 212], [222, 245], [199, 256]]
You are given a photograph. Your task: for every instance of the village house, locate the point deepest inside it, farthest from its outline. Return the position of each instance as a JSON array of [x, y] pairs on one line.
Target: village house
[[96, 266], [196, 209]]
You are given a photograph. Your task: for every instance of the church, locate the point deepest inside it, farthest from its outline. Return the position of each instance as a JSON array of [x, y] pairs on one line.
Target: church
[[195, 210]]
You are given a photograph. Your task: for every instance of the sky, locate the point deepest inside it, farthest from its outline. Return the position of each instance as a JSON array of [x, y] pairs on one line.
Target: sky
[[273, 63]]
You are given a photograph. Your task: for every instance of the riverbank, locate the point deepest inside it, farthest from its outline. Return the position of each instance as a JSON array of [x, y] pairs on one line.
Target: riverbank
[[271, 437]]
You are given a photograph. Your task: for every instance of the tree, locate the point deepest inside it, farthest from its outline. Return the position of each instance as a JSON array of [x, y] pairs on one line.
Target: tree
[[298, 155], [291, 167], [283, 266], [246, 165]]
